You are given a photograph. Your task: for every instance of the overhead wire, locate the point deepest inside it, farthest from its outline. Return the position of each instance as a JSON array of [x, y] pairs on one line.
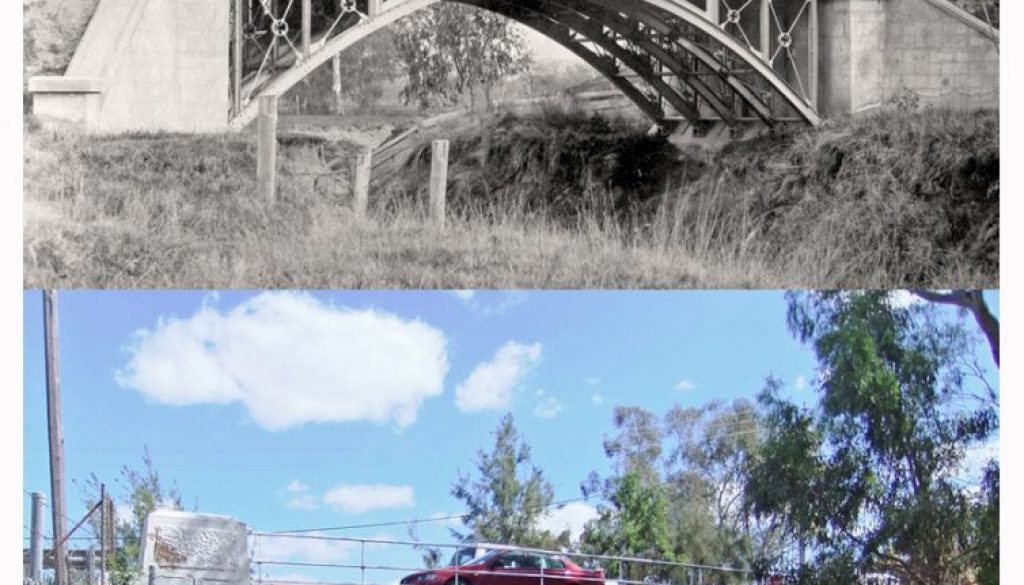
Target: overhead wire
[[414, 520]]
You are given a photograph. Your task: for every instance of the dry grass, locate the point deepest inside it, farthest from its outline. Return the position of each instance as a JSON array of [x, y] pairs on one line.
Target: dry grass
[[175, 211]]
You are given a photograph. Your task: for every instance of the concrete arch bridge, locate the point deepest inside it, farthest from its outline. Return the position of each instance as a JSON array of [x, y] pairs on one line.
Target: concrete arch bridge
[[199, 65]]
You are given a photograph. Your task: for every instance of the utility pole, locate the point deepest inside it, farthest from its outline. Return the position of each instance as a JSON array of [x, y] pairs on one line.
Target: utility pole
[[56, 430]]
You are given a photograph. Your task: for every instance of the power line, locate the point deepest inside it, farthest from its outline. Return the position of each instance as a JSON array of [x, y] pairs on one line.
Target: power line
[[87, 527], [410, 521]]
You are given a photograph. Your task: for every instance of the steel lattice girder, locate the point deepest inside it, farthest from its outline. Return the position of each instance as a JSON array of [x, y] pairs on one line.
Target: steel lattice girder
[[645, 36]]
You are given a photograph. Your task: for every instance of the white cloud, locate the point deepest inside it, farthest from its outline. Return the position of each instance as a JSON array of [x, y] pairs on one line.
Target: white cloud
[[548, 407], [903, 299], [490, 385], [490, 304], [976, 457], [596, 399], [360, 498], [571, 516], [302, 502], [800, 383], [685, 385], [291, 359], [310, 550], [300, 498]]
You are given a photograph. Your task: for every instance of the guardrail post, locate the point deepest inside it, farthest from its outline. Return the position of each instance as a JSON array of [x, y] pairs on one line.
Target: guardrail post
[[35, 570], [438, 180], [90, 564], [362, 166], [152, 575], [266, 149]]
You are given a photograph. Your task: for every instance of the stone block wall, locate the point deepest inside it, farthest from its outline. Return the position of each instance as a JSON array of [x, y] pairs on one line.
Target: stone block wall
[[941, 58], [871, 50]]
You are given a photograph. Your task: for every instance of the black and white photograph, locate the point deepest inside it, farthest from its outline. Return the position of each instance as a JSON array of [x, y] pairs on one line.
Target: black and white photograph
[[514, 143]]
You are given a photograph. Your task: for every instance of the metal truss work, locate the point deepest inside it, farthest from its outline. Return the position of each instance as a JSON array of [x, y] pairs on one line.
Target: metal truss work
[[679, 62]]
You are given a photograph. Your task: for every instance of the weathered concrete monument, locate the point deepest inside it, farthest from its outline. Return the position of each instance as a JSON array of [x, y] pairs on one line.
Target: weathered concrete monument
[[186, 547], [199, 65]]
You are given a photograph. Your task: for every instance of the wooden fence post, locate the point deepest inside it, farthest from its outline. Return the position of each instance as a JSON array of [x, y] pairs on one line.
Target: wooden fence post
[[266, 149], [438, 180], [362, 166], [307, 27]]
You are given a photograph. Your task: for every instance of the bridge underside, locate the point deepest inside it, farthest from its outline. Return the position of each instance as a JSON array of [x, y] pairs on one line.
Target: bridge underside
[[677, 61], [199, 65]]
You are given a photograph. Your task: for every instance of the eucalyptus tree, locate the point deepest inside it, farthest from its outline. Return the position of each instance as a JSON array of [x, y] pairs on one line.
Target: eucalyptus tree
[[873, 472]]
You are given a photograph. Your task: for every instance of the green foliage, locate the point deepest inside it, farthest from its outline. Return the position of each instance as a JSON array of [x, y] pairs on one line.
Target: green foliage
[[706, 475], [636, 524], [636, 448], [871, 473], [505, 503], [453, 49], [986, 510], [142, 492]]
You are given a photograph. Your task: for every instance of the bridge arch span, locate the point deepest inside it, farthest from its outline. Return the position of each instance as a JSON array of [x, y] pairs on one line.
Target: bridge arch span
[[640, 45]]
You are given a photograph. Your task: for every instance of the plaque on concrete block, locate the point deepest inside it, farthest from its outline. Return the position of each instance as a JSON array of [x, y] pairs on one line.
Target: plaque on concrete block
[[194, 547]]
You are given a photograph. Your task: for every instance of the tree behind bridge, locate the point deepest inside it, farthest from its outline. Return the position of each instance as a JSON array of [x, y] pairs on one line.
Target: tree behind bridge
[[451, 50]]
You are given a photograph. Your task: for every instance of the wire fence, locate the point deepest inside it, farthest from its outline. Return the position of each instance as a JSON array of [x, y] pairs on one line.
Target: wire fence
[[522, 565]]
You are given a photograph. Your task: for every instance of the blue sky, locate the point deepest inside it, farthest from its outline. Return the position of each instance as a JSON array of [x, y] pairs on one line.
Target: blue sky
[[300, 410]]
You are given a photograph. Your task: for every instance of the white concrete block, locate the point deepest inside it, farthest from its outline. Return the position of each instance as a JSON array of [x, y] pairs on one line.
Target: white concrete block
[[195, 548]]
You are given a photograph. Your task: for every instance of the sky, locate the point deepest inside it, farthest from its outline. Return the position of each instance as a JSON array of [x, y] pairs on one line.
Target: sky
[[303, 410]]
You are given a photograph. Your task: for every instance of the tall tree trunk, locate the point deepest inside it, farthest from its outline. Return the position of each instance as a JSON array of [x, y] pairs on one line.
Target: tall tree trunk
[[973, 301]]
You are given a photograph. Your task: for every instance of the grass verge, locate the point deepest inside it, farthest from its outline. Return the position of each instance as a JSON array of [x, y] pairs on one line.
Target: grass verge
[[552, 199]]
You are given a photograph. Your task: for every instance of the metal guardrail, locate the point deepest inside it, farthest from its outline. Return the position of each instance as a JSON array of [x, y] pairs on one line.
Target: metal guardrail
[[683, 573]]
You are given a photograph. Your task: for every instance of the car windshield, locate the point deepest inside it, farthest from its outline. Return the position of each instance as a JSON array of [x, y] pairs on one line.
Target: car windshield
[[483, 558]]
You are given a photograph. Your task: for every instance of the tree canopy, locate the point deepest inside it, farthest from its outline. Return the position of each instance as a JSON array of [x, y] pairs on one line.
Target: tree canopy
[[872, 473], [506, 502], [453, 50]]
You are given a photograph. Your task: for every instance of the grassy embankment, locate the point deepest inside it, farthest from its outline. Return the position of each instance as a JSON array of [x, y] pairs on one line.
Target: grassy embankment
[[559, 200]]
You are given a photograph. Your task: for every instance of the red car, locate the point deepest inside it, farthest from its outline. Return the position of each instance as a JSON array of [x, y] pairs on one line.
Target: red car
[[510, 567]]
